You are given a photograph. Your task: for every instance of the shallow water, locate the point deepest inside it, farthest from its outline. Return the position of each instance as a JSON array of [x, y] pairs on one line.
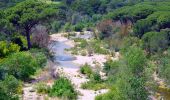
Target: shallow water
[[60, 56]]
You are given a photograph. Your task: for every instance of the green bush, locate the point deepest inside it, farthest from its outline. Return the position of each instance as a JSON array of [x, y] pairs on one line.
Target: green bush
[[21, 65], [40, 56], [56, 25], [111, 65], [97, 47], [67, 27], [42, 88], [8, 48], [86, 69], [78, 27], [163, 66], [63, 88], [155, 41], [95, 77], [10, 87]]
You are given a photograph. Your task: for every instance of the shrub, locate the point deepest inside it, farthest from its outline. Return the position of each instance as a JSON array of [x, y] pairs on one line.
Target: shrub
[[67, 27], [9, 88], [39, 55], [8, 48], [155, 41], [63, 88], [42, 88], [95, 77], [56, 25], [97, 47], [111, 66], [78, 27], [83, 53], [21, 65], [86, 69]]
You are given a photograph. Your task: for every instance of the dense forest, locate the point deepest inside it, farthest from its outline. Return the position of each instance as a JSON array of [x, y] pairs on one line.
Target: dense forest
[[139, 30]]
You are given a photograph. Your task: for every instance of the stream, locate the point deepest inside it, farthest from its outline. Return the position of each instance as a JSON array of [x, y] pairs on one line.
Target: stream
[[61, 57]]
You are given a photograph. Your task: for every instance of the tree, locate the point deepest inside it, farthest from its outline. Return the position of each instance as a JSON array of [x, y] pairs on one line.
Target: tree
[[25, 15]]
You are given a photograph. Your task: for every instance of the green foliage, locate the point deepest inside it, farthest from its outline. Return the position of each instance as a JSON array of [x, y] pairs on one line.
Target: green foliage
[[21, 65], [63, 88], [97, 46], [95, 77], [9, 88], [42, 88], [27, 14], [114, 94], [163, 66], [130, 41], [78, 27], [8, 48], [86, 69], [136, 60], [56, 25], [67, 27], [110, 65], [155, 41], [95, 82], [39, 55]]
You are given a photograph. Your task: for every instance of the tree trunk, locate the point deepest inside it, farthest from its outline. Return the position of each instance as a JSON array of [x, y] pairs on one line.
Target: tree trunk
[[28, 39]]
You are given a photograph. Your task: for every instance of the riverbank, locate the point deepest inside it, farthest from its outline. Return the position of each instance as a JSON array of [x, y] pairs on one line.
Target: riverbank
[[73, 72]]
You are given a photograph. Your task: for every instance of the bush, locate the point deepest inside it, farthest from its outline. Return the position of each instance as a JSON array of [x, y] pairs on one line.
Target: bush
[[63, 88], [39, 55], [9, 88], [67, 27], [95, 77], [111, 66], [78, 27], [86, 69], [155, 41], [83, 53], [56, 25], [21, 65], [8, 48], [97, 47], [42, 88]]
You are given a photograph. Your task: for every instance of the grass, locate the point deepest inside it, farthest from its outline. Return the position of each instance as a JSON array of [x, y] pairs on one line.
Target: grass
[[94, 85], [86, 69]]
